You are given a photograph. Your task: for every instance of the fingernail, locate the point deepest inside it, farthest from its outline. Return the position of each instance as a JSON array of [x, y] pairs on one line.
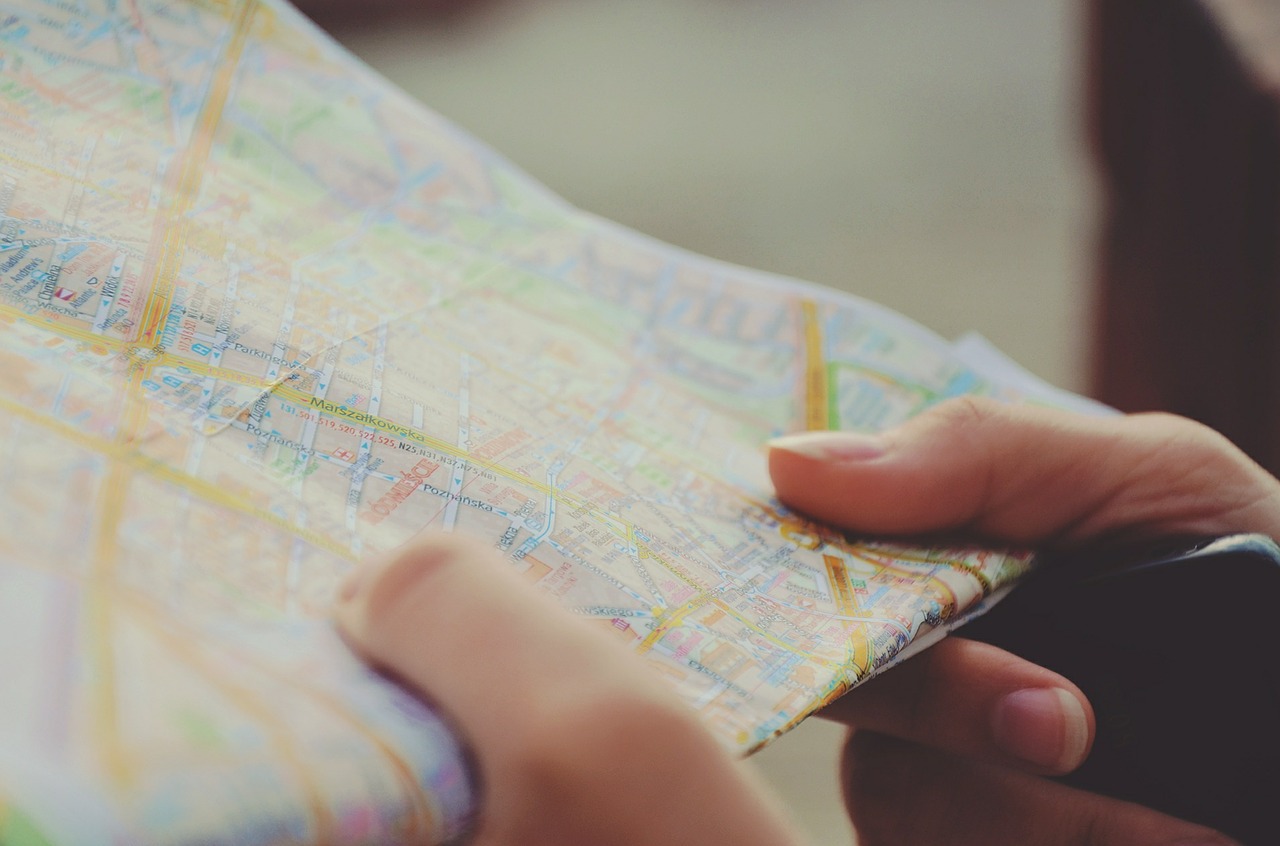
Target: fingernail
[[1044, 726], [831, 446]]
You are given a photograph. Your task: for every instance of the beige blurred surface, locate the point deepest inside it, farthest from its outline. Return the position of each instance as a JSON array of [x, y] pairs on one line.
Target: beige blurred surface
[[922, 153]]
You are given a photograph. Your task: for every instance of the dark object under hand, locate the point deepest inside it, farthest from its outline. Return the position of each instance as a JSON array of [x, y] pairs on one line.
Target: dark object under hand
[[1178, 649]]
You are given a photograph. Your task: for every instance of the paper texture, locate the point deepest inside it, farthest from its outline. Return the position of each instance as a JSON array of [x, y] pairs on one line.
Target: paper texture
[[261, 315]]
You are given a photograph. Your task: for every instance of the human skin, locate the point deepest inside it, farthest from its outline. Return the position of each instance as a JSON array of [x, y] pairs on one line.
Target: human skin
[[1007, 474], [577, 743]]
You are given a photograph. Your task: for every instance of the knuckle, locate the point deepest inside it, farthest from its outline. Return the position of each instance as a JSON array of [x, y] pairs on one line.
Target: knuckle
[[1193, 441], [1200, 457], [967, 411], [966, 422]]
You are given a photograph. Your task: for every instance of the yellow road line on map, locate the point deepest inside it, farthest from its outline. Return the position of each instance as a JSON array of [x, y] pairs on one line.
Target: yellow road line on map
[[838, 578], [888, 379], [251, 705], [154, 313], [668, 383], [706, 597], [216, 495], [58, 427], [671, 619], [955, 563], [206, 491], [859, 649], [424, 812], [203, 368], [105, 716], [803, 526], [194, 166], [859, 644], [114, 754], [62, 328], [934, 581], [303, 400], [26, 166], [280, 388], [838, 687], [816, 400], [126, 460]]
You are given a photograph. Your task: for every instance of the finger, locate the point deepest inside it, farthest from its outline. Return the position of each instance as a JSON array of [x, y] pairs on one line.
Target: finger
[[976, 700], [898, 792], [1021, 474], [558, 715]]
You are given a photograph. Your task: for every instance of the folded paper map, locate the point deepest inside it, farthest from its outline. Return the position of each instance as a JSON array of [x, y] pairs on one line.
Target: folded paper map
[[262, 314]]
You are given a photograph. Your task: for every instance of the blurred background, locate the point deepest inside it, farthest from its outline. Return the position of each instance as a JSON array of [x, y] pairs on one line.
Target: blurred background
[[925, 154]]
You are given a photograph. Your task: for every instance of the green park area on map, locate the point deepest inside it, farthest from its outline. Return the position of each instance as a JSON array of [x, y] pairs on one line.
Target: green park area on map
[[262, 315]]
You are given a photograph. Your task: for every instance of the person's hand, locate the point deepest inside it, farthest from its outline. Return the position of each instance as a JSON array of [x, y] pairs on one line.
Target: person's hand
[[577, 743], [1011, 475]]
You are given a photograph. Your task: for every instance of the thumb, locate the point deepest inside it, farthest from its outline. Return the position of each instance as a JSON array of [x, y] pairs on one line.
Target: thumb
[[1023, 474]]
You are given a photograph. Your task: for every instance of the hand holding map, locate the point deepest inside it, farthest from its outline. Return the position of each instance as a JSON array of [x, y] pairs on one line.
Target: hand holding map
[[262, 316], [573, 741], [616, 752], [1027, 475]]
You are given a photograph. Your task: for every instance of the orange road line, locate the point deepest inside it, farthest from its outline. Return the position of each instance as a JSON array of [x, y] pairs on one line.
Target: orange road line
[[136, 461], [194, 165], [816, 405], [105, 715], [60, 326], [838, 577], [248, 702], [424, 812], [155, 312]]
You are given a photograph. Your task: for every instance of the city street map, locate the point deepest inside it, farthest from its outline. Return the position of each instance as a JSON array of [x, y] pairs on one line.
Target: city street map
[[261, 314]]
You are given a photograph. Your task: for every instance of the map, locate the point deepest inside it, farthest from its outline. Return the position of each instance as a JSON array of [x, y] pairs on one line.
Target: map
[[262, 314]]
